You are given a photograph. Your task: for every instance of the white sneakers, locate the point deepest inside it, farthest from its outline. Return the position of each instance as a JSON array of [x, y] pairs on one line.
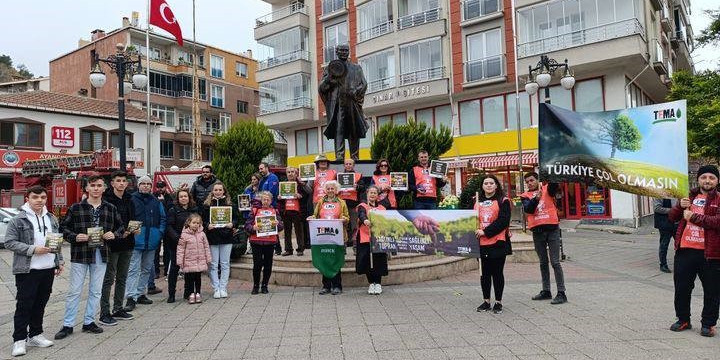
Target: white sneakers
[[217, 294], [371, 289], [19, 347], [375, 289], [223, 293]]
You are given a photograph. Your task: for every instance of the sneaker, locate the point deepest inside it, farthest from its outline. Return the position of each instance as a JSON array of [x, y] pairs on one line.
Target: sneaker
[[39, 341], [497, 308], [92, 328], [484, 307], [560, 298], [287, 253], [378, 289], [216, 294], [336, 291], [665, 269], [324, 291], [299, 253], [130, 305], [122, 315], [264, 289], [191, 299], [543, 295], [223, 294], [107, 320], [708, 331], [64, 332], [254, 291], [371, 289], [154, 290], [198, 298], [680, 326], [142, 299], [19, 348]]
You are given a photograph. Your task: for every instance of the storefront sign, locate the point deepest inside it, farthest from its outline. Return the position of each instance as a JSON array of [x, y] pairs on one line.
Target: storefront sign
[[595, 201], [457, 164], [63, 136], [400, 94]]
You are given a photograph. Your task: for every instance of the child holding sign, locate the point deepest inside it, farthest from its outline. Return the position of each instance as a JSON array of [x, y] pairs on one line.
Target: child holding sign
[[263, 227]]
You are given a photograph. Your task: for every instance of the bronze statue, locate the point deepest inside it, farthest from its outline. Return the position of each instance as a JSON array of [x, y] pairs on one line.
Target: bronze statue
[[342, 90]]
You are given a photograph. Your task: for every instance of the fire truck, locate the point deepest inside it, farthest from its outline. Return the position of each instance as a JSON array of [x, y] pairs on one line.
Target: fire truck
[[64, 177]]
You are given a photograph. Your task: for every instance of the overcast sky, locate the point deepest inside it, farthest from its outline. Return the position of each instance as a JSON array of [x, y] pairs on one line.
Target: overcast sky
[[46, 29]]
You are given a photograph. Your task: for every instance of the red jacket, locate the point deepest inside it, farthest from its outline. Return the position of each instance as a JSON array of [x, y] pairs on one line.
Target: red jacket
[[710, 221]]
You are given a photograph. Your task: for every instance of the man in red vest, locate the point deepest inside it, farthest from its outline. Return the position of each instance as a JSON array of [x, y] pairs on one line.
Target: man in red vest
[[422, 185], [352, 198], [542, 217]]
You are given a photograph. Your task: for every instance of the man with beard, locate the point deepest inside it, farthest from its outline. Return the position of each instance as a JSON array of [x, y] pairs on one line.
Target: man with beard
[[203, 184]]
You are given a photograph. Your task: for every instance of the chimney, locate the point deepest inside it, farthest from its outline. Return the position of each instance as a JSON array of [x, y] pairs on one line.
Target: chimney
[[248, 53], [125, 21], [97, 34]]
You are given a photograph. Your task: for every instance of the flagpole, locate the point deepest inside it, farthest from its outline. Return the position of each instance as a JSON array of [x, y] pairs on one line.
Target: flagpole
[[517, 113], [148, 165]]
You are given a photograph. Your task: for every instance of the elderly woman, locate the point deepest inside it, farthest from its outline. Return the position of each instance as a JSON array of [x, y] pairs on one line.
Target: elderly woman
[[331, 206]]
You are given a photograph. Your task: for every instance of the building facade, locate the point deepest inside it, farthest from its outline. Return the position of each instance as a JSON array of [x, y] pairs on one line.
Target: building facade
[[12, 87], [452, 63], [227, 87]]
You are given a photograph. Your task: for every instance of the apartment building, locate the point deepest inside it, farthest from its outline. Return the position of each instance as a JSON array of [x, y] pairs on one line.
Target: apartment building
[[452, 63], [227, 86]]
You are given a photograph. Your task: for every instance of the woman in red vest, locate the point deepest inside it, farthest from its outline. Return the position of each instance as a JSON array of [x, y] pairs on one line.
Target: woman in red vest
[[262, 246], [493, 210], [381, 179], [379, 266]]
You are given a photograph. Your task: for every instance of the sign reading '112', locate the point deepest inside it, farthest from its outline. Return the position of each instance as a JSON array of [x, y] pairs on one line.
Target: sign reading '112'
[[63, 136]]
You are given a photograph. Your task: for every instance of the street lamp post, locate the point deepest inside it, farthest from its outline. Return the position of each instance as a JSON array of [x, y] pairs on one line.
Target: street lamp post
[[129, 72]]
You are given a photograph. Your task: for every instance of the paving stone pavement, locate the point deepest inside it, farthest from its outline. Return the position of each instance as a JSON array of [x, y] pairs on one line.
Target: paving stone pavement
[[620, 307]]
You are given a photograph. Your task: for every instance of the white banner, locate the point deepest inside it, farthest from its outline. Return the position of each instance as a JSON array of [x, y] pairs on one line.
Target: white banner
[[326, 232]]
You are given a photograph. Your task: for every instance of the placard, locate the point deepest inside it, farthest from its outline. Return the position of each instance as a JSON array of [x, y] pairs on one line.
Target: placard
[[94, 236], [307, 171], [438, 169], [220, 215], [267, 225], [244, 202], [53, 241], [399, 181], [288, 189], [346, 180], [134, 225]]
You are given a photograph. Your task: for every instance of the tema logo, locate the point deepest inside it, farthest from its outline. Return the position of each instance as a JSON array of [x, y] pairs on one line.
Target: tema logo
[[667, 115]]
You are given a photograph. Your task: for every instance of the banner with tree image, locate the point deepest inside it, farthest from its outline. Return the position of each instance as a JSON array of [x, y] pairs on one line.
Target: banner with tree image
[[442, 232], [641, 150]]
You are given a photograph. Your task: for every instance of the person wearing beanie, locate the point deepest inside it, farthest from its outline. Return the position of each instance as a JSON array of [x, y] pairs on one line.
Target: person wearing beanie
[[697, 251]]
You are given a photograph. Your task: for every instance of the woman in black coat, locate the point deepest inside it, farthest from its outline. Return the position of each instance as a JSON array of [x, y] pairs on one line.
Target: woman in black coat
[[175, 221]]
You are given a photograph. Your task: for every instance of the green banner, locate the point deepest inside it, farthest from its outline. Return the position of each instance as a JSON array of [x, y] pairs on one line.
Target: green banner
[[327, 245]]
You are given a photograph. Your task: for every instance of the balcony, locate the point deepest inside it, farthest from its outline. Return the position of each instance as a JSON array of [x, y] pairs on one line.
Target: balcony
[[582, 37], [300, 102], [665, 21], [422, 75], [658, 57], [189, 94], [332, 8], [381, 84], [481, 70], [288, 17], [160, 91], [282, 13], [283, 115], [420, 18], [657, 4], [284, 59], [375, 31], [476, 9], [186, 128]]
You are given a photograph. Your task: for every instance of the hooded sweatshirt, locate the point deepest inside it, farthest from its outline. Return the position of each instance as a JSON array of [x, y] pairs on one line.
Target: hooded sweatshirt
[[41, 226]]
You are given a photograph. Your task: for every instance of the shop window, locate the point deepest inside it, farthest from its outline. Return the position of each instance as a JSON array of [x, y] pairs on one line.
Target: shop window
[[306, 142], [21, 134], [92, 139], [394, 119]]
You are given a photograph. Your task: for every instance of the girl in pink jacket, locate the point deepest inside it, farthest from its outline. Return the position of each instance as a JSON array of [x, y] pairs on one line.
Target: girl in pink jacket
[[193, 256]]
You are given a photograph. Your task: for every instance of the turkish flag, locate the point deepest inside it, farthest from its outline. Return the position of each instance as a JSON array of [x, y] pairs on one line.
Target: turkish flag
[[162, 17]]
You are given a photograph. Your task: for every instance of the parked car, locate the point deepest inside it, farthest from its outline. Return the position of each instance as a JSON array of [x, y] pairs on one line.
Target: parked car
[[5, 215]]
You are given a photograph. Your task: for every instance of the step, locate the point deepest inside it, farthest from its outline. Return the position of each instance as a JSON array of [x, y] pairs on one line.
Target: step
[[305, 261]]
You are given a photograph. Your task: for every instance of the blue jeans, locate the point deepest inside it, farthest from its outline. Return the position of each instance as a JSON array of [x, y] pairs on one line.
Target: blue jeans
[[424, 205], [220, 254], [77, 281], [141, 264]]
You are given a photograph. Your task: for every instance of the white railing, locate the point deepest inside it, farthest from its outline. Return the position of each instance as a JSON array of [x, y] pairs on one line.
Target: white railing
[[581, 37], [472, 9], [331, 6], [188, 128], [375, 31], [189, 94], [418, 18], [276, 15], [296, 103], [161, 91], [484, 69], [422, 75], [669, 69], [381, 84], [284, 59]]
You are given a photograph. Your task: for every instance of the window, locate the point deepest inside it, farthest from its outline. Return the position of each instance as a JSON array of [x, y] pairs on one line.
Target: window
[[417, 12], [399, 119], [558, 96], [166, 149], [335, 35], [224, 122], [217, 96], [374, 19], [421, 61], [589, 95], [164, 113], [524, 100], [306, 142], [493, 114], [217, 66], [186, 122], [286, 93], [242, 107], [435, 117], [283, 47], [241, 69], [185, 152], [330, 6], [484, 59], [476, 8], [328, 145], [13, 133], [175, 85], [470, 117], [209, 153], [115, 135], [92, 139], [379, 70]]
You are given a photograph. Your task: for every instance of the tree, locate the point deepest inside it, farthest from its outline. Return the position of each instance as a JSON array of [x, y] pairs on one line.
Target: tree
[[710, 35], [467, 196], [239, 151], [620, 133], [401, 143], [702, 92], [9, 73]]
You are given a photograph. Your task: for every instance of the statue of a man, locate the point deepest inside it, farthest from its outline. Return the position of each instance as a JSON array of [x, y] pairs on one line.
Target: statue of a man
[[342, 90]]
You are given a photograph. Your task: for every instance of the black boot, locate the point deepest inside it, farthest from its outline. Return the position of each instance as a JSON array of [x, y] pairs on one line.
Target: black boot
[[171, 298], [264, 289]]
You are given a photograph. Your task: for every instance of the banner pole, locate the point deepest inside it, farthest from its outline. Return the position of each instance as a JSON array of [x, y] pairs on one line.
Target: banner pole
[[148, 154], [477, 200]]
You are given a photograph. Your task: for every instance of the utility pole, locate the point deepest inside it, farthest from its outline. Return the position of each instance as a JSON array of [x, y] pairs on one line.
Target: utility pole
[[197, 123]]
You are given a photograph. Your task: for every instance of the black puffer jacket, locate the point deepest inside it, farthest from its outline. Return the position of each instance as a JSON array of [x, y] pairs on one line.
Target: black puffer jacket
[[177, 215], [219, 236], [126, 210], [201, 188]]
